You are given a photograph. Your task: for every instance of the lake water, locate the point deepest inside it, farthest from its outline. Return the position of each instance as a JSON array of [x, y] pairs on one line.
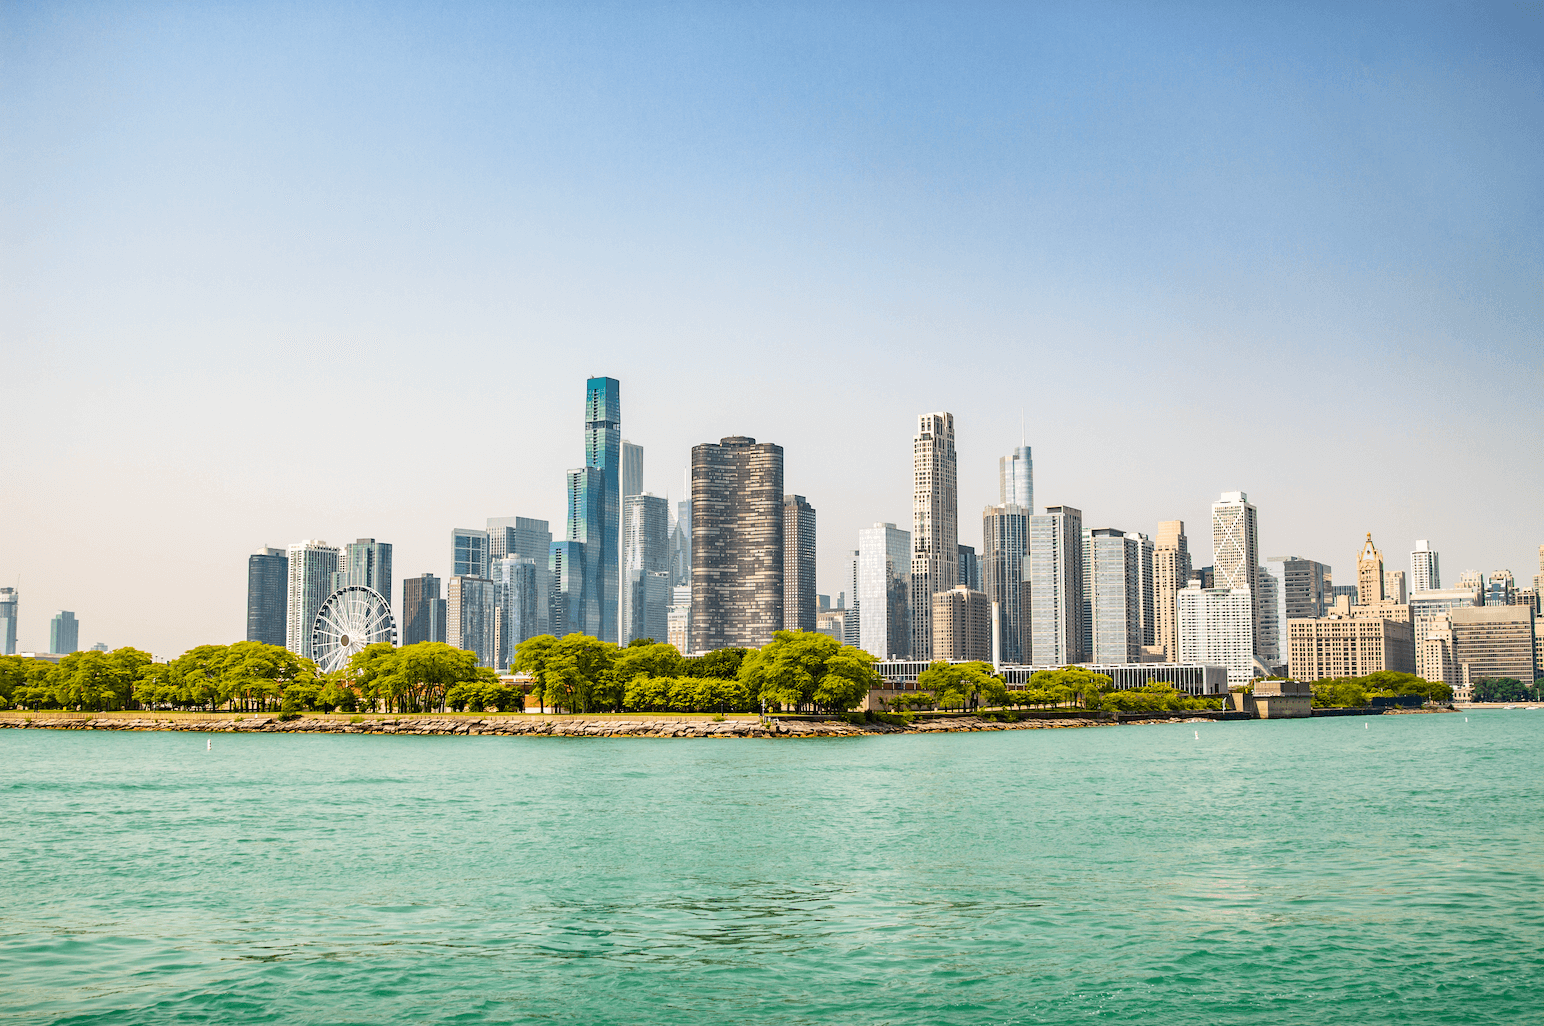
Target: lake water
[[1348, 870]]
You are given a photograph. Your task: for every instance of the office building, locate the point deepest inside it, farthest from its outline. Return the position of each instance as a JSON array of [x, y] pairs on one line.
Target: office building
[[63, 633], [1056, 631], [311, 566], [471, 617], [1216, 628], [883, 590], [470, 552], [1473, 579], [1342, 598], [1306, 587], [586, 517], [1394, 587], [423, 610], [1236, 549], [646, 587], [970, 568], [737, 543], [1272, 630], [1147, 598], [1349, 646], [1500, 589], [1433, 633], [1538, 578], [1005, 576], [569, 607], [532, 540], [595, 505], [10, 606], [365, 563], [520, 605], [798, 564], [1016, 479], [1493, 641], [678, 627], [1203, 575], [267, 590], [1112, 596], [1424, 572], [962, 624], [833, 624], [1171, 572], [632, 484], [935, 534], [851, 632]]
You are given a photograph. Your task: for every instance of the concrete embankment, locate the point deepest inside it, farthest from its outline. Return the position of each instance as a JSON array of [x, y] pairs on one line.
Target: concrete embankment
[[516, 724]]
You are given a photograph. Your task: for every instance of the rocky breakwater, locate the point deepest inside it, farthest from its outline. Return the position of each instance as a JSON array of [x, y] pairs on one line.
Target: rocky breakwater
[[518, 725]]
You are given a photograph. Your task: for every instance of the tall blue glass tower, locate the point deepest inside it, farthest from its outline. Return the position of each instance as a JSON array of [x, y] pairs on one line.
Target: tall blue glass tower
[[595, 507]]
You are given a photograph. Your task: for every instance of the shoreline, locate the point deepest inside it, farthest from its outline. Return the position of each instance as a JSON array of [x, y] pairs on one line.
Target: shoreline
[[526, 724]]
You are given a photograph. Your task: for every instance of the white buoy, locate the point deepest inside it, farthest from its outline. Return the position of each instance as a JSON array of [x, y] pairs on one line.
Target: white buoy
[[1198, 735], [209, 745], [1366, 726]]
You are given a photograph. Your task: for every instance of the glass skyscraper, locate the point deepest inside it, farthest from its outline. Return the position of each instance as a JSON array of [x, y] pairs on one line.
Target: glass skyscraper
[[9, 603], [1056, 587], [883, 592], [1004, 576], [1016, 479], [63, 633], [469, 552], [267, 588], [423, 610], [311, 566], [645, 568], [603, 530], [365, 563]]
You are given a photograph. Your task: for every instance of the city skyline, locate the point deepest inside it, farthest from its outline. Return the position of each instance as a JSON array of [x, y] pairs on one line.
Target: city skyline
[[801, 226]]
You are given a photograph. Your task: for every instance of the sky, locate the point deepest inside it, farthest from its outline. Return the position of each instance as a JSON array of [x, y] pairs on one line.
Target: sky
[[271, 272]]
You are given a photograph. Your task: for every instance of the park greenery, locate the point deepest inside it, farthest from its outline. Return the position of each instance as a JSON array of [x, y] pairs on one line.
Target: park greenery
[[1357, 692], [966, 686], [1505, 689]]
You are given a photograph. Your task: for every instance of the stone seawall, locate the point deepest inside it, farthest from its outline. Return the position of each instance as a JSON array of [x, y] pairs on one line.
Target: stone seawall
[[517, 725]]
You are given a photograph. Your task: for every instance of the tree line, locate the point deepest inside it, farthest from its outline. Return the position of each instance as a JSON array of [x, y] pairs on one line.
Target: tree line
[[1356, 692], [973, 685]]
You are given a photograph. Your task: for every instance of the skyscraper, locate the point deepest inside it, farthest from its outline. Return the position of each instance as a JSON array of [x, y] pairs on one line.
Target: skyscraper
[[520, 605], [602, 530], [1004, 576], [883, 589], [1146, 592], [632, 484], [311, 566], [1500, 589], [851, 635], [645, 567], [470, 552], [1216, 626], [365, 563], [10, 605], [1424, 572], [63, 633], [267, 589], [1112, 604], [1308, 587], [1016, 479], [568, 605], [970, 568], [1236, 547], [586, 515], [423, 610], [1056, 587], [1171, 572], [1394, 586], [798, 564], [471, 617], [1369, 574], [1273, 619], [737, 543], [529, 539], [1432, 631], [962, 624], [935, 534]]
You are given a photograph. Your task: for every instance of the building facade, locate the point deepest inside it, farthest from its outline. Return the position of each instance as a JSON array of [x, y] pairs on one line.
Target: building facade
[[602, 529], [1369, 575], [1171, 572], [1005, 576], [1056, 631], [1494, 641], [1113, 581], [569, 607], [632, 484], [970, 568], [935, 530], [1394, 587], [63, 633], [1273, 615], [471, 617], [365, 563], [267, 591], [1236, 548], [423, 610], [1425, 573], [469, 552], [737, 544], [1354, 646], [311, 566], [883, 590], [1216, 627], [962, 625], [10, 609], [529, 539], [520, 606], [798, 564], [1500, 589], [646, 592], [1016, 479]]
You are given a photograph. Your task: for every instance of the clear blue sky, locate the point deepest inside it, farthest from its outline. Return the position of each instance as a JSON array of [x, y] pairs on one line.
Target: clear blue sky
[[284, 271]]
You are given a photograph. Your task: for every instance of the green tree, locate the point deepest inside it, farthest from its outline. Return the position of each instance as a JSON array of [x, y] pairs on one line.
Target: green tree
[[724, 664], [802, 669], [1500, 689], [573, 673]]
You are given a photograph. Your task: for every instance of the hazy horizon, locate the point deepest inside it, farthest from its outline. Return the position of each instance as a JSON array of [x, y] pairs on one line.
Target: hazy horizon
[[278, 271]]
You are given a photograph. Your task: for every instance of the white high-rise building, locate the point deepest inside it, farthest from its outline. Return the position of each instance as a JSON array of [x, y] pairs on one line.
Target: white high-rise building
[[1424, 574], [883, 592], [1429, 623], [1216, 628], [1056, 633], [311, 566], [935, 531], [1016, 479], [1236, 549], [646, 589], [1112, 590], [632, 484]]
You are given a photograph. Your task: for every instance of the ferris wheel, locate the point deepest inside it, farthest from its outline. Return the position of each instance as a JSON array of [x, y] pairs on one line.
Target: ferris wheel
[[350, 619]]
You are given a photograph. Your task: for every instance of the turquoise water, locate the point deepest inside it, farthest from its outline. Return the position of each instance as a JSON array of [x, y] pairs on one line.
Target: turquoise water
[[1291, 872]]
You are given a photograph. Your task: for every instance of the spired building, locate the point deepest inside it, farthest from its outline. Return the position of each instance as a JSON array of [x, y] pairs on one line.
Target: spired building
[[737, 544], [1171, 572], [935, 533], [1016, 479], [1056, 587], [882, 586], [1236, 549], [423, 610], [267, 588], [646, 589], [10, 603], [798, 564], [311, 566], [1004, 576]]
